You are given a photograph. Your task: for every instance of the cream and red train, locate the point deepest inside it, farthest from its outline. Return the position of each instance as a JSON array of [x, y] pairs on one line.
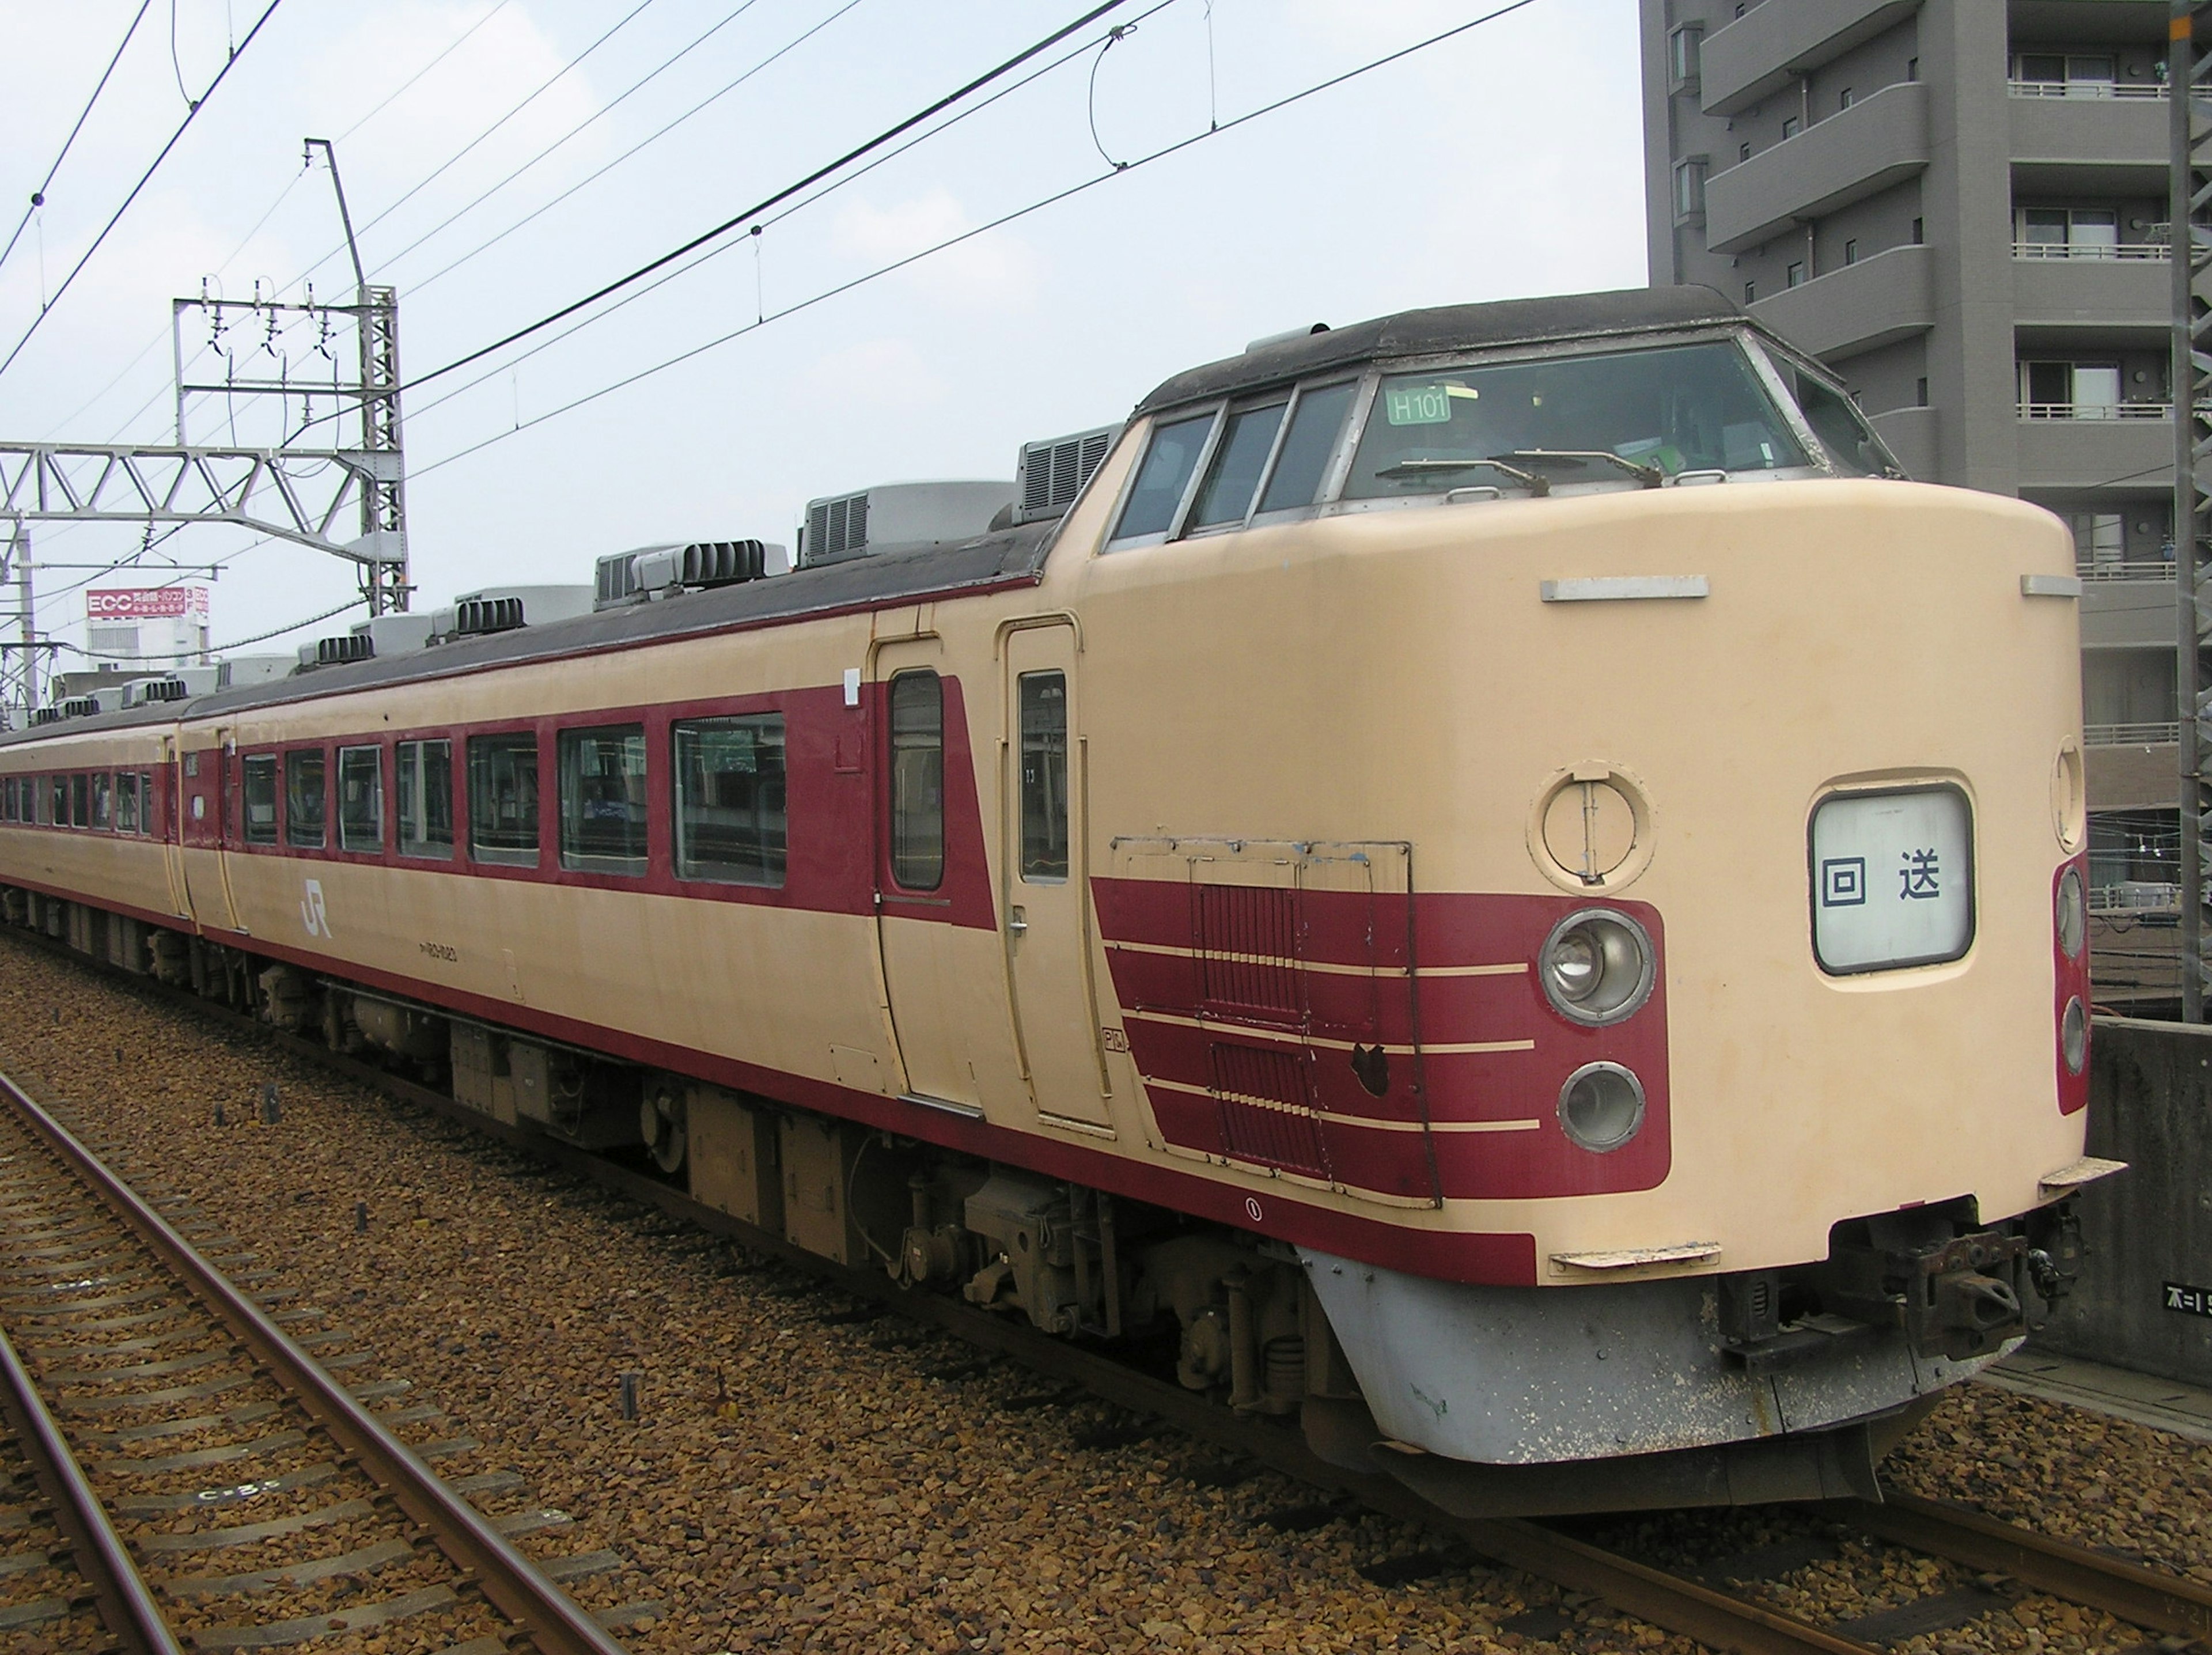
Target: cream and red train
[[1500, 876]]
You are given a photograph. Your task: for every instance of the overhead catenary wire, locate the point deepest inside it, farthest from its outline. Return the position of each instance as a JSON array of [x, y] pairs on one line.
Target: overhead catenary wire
[[606, 109], [45, 308], [39, 195], [599, 172], [450, 162], [784, 194], [399, 91], [1118, 170]]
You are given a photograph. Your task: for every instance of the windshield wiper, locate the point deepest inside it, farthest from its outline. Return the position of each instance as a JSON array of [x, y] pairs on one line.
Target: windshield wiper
[[1535, 483], [1650, 475]]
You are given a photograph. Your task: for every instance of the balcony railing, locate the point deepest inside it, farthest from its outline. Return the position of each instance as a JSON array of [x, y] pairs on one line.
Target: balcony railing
[[2107, 252], [2131, 735], [2139, 569], [2096, 410], [2107, 89], [2135, 896]]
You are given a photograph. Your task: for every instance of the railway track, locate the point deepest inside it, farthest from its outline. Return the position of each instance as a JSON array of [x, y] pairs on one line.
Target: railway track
[[207, 1485], [1717, 1604]]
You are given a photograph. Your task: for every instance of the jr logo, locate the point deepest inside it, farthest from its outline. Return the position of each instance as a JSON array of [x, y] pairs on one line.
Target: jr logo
[[312, 913]]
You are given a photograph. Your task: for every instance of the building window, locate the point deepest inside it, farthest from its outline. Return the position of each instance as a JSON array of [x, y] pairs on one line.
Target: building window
[[1912, 69], [1794, 276], [917, 789], [1920, 392], [1044, 775], [1743, 152], [1751, 293], [425, 780], [2066, 232], [305, 800], [360, 799], [1790, 127], [260, 798], [1844, 99], [1851, 252], [503, 798], [731, 824], [1684, 46], [2069, 75], [2100, 538], [1690, 186], [2069, 390], [603, 800], [1919, 231]]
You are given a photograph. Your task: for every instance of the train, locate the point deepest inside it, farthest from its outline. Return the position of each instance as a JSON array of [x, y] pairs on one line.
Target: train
[[1495, 884]]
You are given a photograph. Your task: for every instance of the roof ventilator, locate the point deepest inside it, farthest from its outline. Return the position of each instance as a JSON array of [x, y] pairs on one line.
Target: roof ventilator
[[79, 707], [1050, 474], [163, 689], [340, 651], [652, 572], [474, 617]]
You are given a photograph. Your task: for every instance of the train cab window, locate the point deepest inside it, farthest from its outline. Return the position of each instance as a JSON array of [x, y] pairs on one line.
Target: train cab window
[[425, 782], [1302, 464], [1234, 476], [730, 820], [360, 799], [603, 800], [127, 802], [1044, 775], [1851, 445], [258, 774], [306, 798], [1621, 419], [503, 798], [80, 800], [1164, 477], [103, 801], [917, 790]]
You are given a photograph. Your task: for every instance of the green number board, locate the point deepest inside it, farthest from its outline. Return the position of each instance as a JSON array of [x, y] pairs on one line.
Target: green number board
[[1417, 405]]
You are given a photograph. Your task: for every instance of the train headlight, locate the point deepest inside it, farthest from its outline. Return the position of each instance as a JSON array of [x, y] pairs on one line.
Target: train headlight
[[2073, 914], [1597, 966], [2074, 1036], [1601, 1106]]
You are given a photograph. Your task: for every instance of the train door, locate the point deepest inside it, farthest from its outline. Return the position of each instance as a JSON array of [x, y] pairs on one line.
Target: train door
[[1045, 900], [928, 977], [170, 826], [230, 811]]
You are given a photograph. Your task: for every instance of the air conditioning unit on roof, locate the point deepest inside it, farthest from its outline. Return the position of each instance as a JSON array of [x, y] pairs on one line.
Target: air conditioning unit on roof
[[1050, 474], [898, 517]]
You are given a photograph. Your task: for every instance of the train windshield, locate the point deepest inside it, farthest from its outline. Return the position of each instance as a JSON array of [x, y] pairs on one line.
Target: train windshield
[[1629, 417]]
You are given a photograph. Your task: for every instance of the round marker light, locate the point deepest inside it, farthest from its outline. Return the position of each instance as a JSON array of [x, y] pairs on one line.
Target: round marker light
[[2073, 914], [1601, 1106], [2074, 1036], [1597, 966]]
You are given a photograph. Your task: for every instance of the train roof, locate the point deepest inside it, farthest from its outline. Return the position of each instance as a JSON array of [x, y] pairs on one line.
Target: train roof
[[1004, 557], [1449, 328]]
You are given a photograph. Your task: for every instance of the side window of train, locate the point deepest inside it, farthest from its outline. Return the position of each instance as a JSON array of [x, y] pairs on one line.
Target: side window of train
[[103, 801], [56, 801], [1164, 477], [258, 774], [917, 790], [425, 785], [306, 798], [127, 802], [80, 800], [603, 800], [1044, 775], [360, 799], [503, 798], [729, 782]]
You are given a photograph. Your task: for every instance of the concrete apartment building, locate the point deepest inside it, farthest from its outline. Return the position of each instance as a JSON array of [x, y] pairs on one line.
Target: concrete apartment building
[[1961, 206]]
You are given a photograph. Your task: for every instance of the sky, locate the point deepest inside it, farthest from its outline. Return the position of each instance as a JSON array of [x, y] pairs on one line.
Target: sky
[[502, 158]]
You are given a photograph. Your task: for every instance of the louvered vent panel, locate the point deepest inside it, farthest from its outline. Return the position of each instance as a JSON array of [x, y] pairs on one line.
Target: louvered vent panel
[[1246, 939], [1267, 1108], [1052, 473], [818, 530]]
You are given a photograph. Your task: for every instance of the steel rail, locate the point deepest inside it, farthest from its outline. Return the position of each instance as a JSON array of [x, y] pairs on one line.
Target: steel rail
[[1689, 1608], [2141, 1597], [96, 1551], [552, 1620]]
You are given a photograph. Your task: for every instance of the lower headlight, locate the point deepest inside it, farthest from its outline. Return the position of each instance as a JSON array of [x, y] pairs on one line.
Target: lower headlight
[[1597, 966], [2074, 1036], [1601, 1106], [2072, 914]]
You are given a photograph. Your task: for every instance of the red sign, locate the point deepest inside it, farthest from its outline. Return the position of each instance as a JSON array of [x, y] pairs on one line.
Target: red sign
[[154, 603]]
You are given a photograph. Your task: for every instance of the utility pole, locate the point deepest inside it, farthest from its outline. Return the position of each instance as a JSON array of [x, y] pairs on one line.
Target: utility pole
[[2189, 253]]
